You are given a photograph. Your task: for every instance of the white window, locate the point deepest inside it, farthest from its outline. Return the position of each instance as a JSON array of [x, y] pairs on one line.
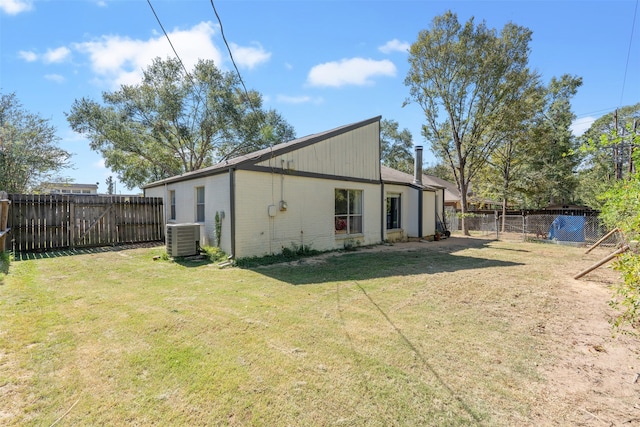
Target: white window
[[199, 204], [348, 211], [172, 205], [393, 212]]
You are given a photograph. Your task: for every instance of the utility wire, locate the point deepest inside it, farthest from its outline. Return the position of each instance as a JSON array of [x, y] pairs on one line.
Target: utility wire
[[626, 67], [246, 92], [224, 39], [260, 117], [169, 40]]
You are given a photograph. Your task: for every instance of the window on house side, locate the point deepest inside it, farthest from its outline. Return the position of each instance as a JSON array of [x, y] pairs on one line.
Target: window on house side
[[199, 204], [393, 212], [348, 211], [172, 204]]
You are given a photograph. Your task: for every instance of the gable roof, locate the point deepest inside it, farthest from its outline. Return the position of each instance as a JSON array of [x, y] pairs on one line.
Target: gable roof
[[257, 156], [392, 176]]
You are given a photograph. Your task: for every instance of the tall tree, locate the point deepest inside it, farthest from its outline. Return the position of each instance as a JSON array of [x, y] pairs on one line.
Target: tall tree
[[468, 80], [175, 122], [396, 146], [608, 150], [29, 154], [439, 170], [502, 175], [550, 174], [110, 184]]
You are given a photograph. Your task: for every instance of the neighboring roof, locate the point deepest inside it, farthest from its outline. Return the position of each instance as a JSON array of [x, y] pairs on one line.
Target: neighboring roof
[[451, 193], [392, 176], [265, 153], [68, 185]]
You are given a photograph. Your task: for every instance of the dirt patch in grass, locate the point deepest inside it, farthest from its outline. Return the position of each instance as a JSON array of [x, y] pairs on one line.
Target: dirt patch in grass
[[593, 375]]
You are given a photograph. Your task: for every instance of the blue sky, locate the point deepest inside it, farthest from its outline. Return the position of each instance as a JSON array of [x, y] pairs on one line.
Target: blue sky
[[321, 64]]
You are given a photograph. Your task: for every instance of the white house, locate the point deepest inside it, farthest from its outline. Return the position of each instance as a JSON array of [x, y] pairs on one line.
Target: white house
[[323, 191]]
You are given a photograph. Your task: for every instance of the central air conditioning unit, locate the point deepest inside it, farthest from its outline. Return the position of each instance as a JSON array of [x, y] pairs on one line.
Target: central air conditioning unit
[[182, 239]]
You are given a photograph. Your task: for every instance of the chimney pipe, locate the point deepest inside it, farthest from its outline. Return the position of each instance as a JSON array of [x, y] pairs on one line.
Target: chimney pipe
[[417, 166]]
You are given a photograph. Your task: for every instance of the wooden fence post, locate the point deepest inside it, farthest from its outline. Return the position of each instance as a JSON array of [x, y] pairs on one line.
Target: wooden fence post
[[4, 218], [602, 261], [605, 237]]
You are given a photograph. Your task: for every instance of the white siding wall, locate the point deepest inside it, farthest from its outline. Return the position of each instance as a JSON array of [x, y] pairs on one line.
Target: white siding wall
[[412, 219], [308, 220], [428, 213], [352, 154], [216, 199]]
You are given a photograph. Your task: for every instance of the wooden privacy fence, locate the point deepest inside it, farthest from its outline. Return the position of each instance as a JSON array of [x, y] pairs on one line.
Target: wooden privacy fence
[[52, 222]]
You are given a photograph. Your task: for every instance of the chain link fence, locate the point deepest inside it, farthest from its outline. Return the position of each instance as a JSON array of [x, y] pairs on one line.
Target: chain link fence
[[578, 230]]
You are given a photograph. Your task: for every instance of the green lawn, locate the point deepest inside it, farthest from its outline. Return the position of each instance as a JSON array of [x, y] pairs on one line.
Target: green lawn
[[431, 336]]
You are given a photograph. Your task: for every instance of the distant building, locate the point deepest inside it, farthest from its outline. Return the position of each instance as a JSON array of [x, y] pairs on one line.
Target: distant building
[[64, 188]]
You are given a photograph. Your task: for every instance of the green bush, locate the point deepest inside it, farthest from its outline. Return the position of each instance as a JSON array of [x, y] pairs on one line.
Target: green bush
[[622, 210], [291, 253], [5, 260], [627, 293], [215, 254]]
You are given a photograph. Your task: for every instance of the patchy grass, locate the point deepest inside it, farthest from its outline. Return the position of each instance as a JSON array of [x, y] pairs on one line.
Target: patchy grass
[[419, 337]]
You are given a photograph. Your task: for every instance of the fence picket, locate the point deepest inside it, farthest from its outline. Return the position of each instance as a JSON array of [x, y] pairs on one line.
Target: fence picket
[[54, 222]]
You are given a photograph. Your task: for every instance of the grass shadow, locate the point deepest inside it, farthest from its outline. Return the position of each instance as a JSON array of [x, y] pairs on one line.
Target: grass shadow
[[355, 266], [421, 357], [26, 256]]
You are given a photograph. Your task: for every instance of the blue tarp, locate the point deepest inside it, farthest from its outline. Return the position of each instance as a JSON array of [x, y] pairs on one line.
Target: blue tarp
[[567, 228]]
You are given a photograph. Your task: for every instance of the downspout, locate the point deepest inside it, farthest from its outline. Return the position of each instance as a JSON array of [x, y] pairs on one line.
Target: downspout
[[232, 212], [417, 180], [383, 210], [383, 199], [167, 203], [420, 213], [444, 224]]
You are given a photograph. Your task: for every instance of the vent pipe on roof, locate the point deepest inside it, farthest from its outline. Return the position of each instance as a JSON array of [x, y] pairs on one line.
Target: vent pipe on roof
[[417, 166]]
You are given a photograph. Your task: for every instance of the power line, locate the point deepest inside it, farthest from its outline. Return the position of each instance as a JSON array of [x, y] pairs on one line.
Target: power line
[[633, 24], [246, 92], [169, 40], [224, 39], [260, 117]]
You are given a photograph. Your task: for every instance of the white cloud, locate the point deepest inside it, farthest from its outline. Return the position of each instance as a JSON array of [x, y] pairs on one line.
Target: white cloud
[[354, 71], [100, 164], [249, 56], [51, 56], [286, 99], [394, 45], [56, 55], [580, 126], [120, 60], [28, 56], [14, 7], [57, 78]]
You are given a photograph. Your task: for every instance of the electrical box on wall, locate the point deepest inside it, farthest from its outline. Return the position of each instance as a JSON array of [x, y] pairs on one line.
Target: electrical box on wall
[[283, 205], [271, 210]]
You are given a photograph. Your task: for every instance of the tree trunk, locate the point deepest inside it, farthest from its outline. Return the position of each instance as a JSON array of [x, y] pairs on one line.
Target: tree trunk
[[504, 212], [463, 207]]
